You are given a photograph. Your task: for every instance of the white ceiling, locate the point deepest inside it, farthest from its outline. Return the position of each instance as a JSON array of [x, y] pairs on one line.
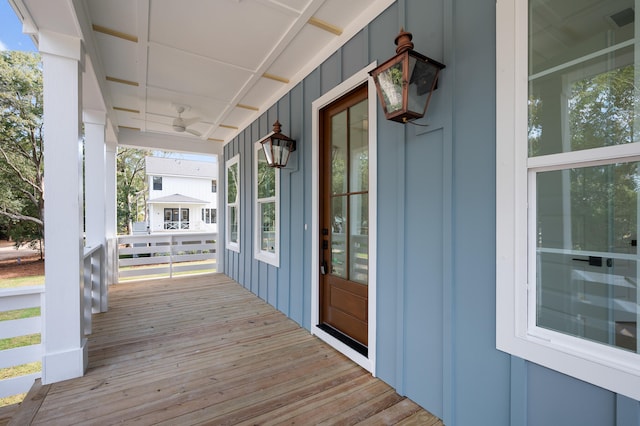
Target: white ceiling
[[227, 61]]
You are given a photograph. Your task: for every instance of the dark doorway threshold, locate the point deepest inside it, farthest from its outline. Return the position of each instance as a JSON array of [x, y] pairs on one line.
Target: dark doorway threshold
[[353, 344]]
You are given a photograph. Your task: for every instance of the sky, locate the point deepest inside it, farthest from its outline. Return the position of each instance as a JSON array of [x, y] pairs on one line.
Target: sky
[[11, 37]]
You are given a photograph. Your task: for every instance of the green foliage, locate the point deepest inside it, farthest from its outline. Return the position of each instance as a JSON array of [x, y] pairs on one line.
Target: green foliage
[[132, 186], [21, 146]]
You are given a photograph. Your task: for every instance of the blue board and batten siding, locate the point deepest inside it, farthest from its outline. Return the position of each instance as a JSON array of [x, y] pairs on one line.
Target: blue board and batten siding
[[436, 231]]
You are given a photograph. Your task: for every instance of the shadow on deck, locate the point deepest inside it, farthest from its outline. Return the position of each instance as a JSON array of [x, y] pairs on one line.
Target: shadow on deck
[[205, 350]]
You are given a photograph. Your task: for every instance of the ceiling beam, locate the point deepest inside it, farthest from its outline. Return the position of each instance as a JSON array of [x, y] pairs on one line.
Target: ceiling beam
[[114, 33], [330, 28]]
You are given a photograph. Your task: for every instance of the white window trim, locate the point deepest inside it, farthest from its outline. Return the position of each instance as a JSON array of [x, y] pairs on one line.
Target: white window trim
[[607, 367], [232, 245], [259, 254], [369, 362]]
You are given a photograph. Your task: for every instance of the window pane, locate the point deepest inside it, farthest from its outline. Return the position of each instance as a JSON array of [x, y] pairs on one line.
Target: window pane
[[581, 75], [359, 147], [266, 177], [268, 227], [587, 258], [232, 183], [233, 224], [359, 238]]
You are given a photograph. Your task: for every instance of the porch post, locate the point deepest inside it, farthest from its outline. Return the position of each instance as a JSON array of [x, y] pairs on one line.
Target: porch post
[[95, 193], [64, 345], [111, 226]]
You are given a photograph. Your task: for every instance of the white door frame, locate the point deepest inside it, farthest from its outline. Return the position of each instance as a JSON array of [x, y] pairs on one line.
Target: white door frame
[[354, 81]]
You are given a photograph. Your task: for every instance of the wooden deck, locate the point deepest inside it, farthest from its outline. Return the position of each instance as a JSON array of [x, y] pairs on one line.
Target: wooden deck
[[203, 350]]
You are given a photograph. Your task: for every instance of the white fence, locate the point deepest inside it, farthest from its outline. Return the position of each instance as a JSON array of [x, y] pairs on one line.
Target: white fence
[[20, 298], [12, 299], [156, 255]]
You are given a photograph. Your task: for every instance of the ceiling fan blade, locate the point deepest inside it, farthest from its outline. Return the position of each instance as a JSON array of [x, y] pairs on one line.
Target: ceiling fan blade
[[193, 132], [190, 121]]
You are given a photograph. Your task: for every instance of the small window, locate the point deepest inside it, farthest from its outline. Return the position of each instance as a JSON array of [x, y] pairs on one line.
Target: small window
[[209, 215], [157, 183], [266, 209], [214, 186], [233, 204]]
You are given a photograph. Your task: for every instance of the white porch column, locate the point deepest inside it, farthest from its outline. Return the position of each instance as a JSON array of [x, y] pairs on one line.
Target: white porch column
[[95, 177], [95, 193], [64, 345], [111, 226]]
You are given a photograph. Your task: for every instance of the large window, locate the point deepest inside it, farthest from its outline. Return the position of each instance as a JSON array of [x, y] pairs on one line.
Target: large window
[[266, 209], [568, 180], [176, 218], [233, 203]]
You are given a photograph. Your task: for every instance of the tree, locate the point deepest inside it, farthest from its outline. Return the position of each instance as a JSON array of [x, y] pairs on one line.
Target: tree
[[21, 146], [132, 186], [602, 113]]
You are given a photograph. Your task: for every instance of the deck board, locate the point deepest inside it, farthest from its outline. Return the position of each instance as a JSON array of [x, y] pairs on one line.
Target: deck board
[[203, 350]]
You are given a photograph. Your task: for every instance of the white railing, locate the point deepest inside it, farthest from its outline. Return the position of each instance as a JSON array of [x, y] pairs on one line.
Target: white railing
[[12, 299], [167, 254], [176, 225], [94, 300], [95, 295]]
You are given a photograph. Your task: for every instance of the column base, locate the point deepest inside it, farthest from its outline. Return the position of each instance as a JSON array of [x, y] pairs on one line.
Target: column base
[[60, 366]]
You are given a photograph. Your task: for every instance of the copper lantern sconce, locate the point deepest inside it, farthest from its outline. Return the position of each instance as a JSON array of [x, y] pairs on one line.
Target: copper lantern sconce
[[277, 147], [406, 81]]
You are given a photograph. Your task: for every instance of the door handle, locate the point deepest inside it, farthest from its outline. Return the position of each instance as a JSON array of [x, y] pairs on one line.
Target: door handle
[[323, 267]]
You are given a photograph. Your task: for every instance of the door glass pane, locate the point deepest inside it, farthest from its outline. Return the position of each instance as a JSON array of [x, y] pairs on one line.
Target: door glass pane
[[359, 147], [339, 153], [359, 238], [587, 257], [581, 75], [338, 236]]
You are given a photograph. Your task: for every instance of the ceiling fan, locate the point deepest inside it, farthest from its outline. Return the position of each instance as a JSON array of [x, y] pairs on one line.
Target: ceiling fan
[[180, 124]]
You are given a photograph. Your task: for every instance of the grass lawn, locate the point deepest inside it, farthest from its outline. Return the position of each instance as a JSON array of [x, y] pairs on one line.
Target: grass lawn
[[21, 281], [19, 341]]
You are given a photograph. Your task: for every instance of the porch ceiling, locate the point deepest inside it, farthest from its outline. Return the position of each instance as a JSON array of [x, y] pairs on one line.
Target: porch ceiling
[[225, 61]]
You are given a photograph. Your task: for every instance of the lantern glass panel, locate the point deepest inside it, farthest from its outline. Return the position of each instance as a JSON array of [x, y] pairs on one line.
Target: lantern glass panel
[[266, 147], [390, 83], [280, 152], [421, 78]]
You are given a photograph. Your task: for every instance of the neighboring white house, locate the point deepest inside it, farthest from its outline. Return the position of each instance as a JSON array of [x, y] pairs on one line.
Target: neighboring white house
[[182, 195]]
